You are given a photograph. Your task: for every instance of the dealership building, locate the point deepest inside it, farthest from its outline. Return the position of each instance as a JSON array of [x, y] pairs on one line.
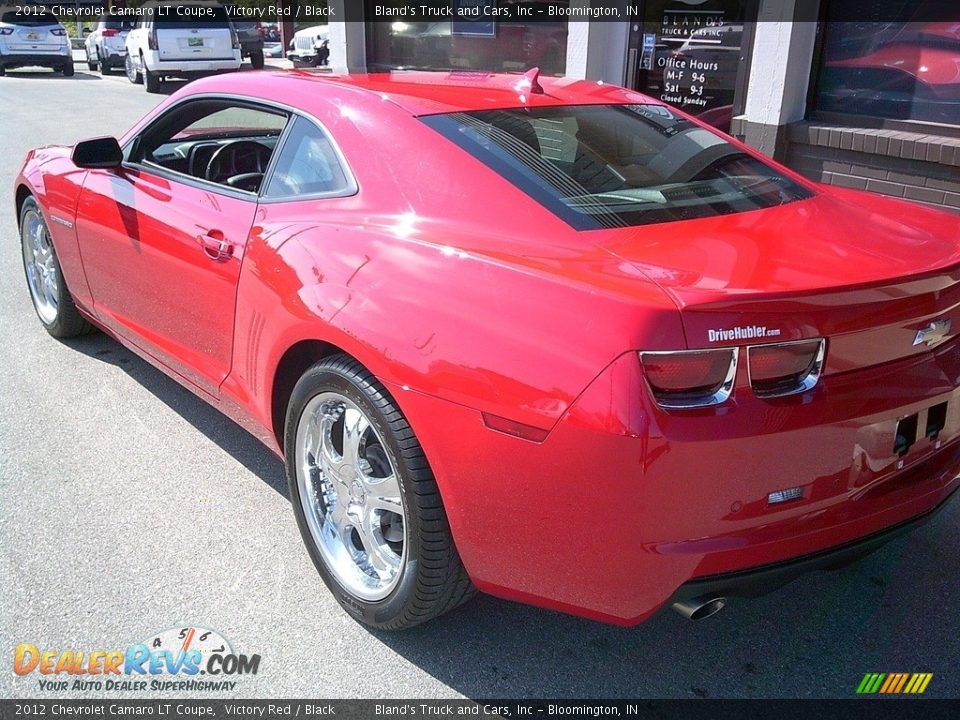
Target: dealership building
[[855, 93]]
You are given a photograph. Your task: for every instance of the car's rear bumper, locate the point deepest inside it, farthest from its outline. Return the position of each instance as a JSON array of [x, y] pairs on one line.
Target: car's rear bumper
[[758, 581], [192, 67], [623, 505], [114, 58], [51, 59]]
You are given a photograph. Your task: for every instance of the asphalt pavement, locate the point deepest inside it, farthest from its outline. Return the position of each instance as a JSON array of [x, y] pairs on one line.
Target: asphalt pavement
[[128, 506]]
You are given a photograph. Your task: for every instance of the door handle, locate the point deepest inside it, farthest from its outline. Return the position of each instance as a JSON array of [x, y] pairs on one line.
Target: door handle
[[215, 246]]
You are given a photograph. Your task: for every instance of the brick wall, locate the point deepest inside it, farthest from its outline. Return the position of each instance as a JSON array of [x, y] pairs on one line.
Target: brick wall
[[922, 168]]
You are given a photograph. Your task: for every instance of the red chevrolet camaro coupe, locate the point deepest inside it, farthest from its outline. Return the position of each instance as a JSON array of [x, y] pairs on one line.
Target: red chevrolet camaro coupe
[[550, 339]]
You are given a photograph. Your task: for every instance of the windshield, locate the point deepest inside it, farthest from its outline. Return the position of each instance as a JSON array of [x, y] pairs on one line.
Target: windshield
[[213, 17], [601, 166], [119, 24], [32, 19]]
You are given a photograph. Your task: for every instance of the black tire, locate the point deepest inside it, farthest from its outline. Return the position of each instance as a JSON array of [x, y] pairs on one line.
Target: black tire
[[67, 69], [432, 579], [256, 59], [133, 75], [151, 81], [92, 64], [3, 71], [105, 68], [68, 321]]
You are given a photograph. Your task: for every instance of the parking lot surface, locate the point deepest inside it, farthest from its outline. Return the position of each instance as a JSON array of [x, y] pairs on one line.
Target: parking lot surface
[[128, 506]]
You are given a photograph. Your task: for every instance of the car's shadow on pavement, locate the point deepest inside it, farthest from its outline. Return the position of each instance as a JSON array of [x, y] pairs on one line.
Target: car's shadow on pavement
[[40, 74], [216, 426], [891, 612]]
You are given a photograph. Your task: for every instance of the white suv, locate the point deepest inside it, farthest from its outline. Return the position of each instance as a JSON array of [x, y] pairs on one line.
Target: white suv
[[182, 39], [106, 46], [33, 38], [306, 44]]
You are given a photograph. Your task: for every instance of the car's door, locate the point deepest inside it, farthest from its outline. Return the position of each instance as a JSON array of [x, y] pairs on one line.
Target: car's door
[[162, 245]]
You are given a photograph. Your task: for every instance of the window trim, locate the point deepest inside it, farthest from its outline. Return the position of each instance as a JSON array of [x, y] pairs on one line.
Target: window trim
[[351, 189], [256, 103], [876, 122]]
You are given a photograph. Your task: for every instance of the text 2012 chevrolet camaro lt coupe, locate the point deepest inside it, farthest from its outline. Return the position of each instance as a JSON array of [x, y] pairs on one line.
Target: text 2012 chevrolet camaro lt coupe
[[550, 339]]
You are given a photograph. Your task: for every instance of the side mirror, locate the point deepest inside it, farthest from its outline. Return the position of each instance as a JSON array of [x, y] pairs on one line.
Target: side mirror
[[101, 152]]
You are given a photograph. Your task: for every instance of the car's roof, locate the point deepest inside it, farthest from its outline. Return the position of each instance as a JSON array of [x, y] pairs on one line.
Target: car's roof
[[425, 93]]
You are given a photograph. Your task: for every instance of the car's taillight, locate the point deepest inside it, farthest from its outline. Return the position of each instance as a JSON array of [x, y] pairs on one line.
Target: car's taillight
[[260, 29], [152, 39], [234, 38], [690, 378], [110, 32], [59, 31], [785, 368]]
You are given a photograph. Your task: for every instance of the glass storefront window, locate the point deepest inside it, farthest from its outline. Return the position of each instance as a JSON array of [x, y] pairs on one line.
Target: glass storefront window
[[691, 55], [902, 69], [485, 45]]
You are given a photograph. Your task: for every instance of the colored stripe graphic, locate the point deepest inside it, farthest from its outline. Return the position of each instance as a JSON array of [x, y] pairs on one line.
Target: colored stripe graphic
[[903, 680], [894, 683], [920, 682]]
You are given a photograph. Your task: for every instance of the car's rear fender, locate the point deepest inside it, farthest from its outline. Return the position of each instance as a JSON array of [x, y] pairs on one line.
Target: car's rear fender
[[516, 343], [655, 499]]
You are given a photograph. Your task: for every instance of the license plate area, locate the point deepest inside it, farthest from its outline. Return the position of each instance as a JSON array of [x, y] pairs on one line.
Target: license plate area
[[905, 435], [195, 42], [936, 421], [908, 428]]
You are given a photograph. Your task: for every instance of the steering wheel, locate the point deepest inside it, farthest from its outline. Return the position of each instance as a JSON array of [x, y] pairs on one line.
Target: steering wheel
[[240, 157]]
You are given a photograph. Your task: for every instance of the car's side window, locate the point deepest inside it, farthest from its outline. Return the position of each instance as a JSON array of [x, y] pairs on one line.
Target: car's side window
[[219, 141], [308, 164]]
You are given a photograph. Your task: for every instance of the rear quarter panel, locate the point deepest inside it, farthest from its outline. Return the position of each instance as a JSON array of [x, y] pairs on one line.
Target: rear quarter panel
[[439, 277]]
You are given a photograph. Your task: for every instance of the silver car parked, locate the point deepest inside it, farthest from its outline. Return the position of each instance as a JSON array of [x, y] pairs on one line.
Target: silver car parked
[[106, 45], [31, 36]]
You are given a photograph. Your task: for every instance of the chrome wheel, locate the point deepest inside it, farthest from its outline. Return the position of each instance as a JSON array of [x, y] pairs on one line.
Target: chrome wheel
[[133, 74], [351, 496], [43, 274]]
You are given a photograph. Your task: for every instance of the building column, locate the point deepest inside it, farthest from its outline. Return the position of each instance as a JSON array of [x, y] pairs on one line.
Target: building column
[[286, 28], [348, 39], [779, 73], [597, 50]]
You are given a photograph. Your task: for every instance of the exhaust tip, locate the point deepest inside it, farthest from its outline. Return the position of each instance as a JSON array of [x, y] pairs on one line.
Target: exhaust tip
[[700, 608]]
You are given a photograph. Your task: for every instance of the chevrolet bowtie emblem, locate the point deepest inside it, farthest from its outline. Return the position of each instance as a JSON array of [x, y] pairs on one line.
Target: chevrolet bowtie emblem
[[933, 333]]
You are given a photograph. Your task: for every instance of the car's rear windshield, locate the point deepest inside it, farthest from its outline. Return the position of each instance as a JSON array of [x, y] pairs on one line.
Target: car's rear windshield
[[32, 19], [598, 166], [119, 24], [212, 17]]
